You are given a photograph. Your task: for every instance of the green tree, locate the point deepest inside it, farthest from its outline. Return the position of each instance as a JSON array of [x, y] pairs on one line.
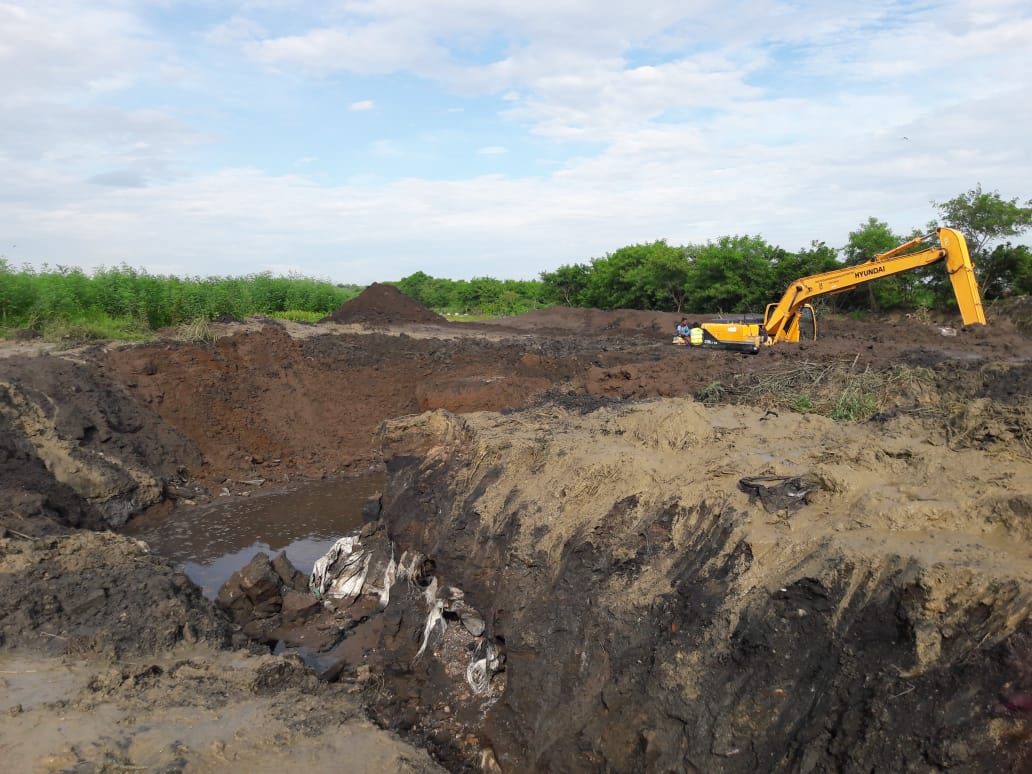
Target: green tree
[[566, 284], [629, 278], [815, 259], [984, 218], [611, 283], [733, 274], [416, 286], [870, 239], [1006, 270], [664, 276]]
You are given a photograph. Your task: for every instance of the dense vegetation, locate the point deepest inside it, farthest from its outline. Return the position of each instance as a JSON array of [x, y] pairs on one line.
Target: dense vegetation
[[744, 273], [729, 274], [123, 301]]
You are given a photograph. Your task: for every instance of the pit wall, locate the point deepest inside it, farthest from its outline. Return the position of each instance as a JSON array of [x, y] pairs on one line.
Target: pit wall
[[653, 619], [77, 449]]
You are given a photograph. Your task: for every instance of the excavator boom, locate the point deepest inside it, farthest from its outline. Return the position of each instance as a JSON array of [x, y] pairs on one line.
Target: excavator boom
[[781, 322], [952, 249]]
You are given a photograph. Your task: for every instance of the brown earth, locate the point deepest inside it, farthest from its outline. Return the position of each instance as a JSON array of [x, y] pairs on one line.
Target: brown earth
[[578, 477], [383, 304]]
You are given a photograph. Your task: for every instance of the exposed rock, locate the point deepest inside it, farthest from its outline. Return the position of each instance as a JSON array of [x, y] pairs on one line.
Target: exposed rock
[[290, 576], [299, 606]]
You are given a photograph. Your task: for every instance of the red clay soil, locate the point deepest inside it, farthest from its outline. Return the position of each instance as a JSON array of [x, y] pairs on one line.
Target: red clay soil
[[382, 305], [262, 403]]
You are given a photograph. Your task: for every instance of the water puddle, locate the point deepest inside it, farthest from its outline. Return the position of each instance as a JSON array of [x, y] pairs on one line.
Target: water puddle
[[211, 542]]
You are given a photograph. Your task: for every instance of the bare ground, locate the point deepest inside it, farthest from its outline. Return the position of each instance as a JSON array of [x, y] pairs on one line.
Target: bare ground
[[578, 477]]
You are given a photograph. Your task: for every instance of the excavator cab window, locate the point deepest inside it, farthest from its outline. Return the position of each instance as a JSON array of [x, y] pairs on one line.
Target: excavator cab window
[[807, 323]]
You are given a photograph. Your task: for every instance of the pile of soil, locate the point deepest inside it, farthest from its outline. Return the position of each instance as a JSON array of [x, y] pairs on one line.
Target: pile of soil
[[94, 593], [382, 304]]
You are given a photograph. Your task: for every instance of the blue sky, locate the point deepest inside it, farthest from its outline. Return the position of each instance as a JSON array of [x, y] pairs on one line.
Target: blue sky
[[364, 140]]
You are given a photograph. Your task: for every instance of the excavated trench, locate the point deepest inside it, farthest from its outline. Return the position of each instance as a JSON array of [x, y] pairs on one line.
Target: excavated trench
[[557, 491]]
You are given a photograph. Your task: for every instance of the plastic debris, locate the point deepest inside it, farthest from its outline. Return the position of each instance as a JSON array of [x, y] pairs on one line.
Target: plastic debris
[[487, 661], [341, 573], [778, 493]]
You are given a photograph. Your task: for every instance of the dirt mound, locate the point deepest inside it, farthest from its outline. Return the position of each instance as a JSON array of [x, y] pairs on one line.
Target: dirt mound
[[67, 426], [383, 305], [596, 322], [97, 593], [655, 616]]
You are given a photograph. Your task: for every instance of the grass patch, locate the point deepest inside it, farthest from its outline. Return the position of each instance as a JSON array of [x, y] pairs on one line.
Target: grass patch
[[803, 404], [854, 404], [836, 390], [712, 393], [298, 315], [198, 330], [96, 327]]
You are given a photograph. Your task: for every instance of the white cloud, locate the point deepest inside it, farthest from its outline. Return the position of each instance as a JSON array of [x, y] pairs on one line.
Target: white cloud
[[235, 31], [396, 45], [691, 120], [49, 50]]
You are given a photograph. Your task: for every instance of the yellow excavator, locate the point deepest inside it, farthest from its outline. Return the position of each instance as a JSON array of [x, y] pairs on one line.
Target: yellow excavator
[[793, 319]]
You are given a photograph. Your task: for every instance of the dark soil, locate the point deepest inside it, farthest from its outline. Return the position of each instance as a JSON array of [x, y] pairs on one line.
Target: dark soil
[[382, 304], [96, 594]]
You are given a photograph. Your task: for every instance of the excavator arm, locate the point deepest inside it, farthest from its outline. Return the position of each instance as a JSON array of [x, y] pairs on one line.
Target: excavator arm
[[782, 319]]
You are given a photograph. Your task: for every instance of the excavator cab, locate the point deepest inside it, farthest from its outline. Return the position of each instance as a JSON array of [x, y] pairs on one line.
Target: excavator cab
[[803, 326]]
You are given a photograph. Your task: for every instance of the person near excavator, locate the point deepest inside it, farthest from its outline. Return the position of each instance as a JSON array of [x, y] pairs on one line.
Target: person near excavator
[[683, 333], [695, 335]]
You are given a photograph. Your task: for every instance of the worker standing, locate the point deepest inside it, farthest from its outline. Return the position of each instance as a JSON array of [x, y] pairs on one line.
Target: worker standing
[[695, 335]]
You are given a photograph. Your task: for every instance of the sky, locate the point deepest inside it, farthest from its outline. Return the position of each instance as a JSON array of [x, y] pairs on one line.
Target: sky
[[364, 140]]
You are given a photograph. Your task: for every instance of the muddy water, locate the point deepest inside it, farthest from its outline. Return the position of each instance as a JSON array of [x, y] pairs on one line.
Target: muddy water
[[213, 541]]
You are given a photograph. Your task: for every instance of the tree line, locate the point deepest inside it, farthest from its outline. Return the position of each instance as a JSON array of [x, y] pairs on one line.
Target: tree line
[[728, 274], [745, 273]]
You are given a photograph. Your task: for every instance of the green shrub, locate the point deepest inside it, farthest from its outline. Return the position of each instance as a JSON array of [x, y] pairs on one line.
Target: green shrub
[[96, 327], [803, 404], [297, 315], [42, 298], [712, 393]]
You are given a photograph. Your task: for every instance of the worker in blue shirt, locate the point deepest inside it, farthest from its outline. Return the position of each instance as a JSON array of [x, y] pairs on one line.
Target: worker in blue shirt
[[683, 333]]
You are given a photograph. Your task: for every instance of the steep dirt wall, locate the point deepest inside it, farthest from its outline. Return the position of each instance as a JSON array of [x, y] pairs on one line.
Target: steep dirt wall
[[260, 403], [656, 619], [78, 448]]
